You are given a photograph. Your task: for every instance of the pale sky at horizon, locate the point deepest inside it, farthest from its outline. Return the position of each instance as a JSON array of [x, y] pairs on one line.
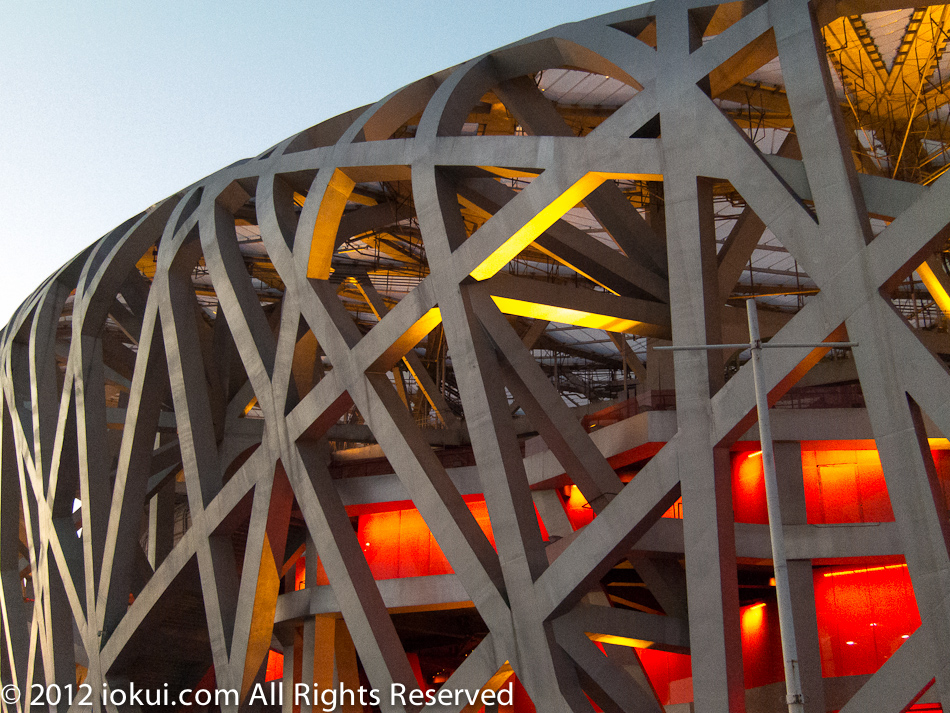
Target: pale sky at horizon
[[107, 107]]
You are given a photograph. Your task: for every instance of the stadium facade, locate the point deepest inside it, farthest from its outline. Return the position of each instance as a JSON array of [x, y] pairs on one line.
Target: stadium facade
[[383, 405]]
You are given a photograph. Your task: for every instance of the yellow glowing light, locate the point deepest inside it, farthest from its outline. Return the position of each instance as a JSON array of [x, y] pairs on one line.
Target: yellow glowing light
[[752, 619], [566, 316], [865, 569], [544, 219], [262, 616], [934, 287], [620, 640], [575, 268], [511, 172], [334, 201], [412, 336], [251, 404]]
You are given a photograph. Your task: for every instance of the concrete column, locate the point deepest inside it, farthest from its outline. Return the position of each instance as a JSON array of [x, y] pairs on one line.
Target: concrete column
[[292, 640], [659, 366], [346, 671], [161, 524], [308, 663], [695, 310], [788, 467], [314, 637], [552, 513]]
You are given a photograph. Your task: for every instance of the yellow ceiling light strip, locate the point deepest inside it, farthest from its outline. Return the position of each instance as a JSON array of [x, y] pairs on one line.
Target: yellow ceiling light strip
[[412, 336], [620, 640], [502, 172], [565, 315], [936, 290], [575, 268], [485, 215], [547, 217]]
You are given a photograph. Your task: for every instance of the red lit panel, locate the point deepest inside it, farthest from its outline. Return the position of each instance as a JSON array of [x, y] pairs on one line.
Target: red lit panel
[[748, 488], [864, 615], [275, 666], [399, 543], [761, 645], [671, 675], [942, 464], [579, 511], [840, 486], [845, 486]]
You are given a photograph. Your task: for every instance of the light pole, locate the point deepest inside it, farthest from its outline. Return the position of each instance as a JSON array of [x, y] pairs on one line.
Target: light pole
[[783, 592]]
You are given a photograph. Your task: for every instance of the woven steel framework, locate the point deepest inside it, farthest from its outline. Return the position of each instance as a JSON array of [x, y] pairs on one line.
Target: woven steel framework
[[226, 343]]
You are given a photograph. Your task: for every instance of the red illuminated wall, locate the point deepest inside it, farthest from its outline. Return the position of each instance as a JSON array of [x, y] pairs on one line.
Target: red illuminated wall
[[397, 543], [864, 615], [578, 511], [275, 666], [840, 486], [671, 675], [864, 611]]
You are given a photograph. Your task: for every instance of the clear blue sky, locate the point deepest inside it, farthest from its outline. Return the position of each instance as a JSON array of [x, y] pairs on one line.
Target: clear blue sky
[[109, 106]]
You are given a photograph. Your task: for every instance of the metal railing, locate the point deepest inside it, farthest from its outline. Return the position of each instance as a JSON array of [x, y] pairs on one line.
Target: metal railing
[[799, 397]]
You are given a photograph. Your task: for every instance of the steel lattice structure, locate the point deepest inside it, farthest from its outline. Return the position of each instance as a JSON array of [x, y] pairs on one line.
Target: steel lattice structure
[[395, 277]]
